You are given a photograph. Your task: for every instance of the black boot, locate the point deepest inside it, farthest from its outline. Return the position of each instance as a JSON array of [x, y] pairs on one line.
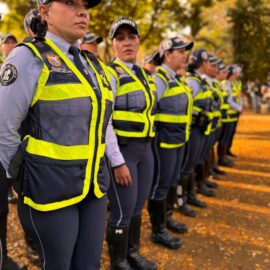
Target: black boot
[[223, 160], [135, 259], [8, 263], [182, 190], [207, 169], [200, 179], [117, 239], [229, 153], [172, 224], [160, 233], [217, 170]]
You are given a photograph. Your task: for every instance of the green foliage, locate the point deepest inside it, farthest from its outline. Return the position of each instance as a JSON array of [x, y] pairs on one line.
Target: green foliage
[[251, 37]]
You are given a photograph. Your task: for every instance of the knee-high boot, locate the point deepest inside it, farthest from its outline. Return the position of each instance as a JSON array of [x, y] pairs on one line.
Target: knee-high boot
[[117, 239], [182, 205], [172, 224], [136, 260], [160, 233], [191, 193]]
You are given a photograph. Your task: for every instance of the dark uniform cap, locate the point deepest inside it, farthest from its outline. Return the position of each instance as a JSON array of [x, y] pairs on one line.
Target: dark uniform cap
[[120, 22], [33, 13], [213, 60], [222, 67], [150, 57], [174, 43], [234, 69], [91, 3], [90, 37], [4, 38]]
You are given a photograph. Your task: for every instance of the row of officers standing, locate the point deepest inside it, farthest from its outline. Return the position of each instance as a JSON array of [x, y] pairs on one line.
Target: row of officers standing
[[75, 134]]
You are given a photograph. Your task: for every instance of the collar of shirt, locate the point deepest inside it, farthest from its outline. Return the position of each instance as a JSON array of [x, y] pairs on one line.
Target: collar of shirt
[[127, 64], [60, 42], [208, 78], [170, 71]]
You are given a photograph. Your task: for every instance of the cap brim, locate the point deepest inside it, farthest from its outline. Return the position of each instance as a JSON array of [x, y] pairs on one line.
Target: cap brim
[[7, 37], [98, 39], [93, 3], [187, 46], [124, 24]]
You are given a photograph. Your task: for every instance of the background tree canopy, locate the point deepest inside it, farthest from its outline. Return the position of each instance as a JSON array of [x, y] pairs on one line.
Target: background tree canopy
[[236, 30]]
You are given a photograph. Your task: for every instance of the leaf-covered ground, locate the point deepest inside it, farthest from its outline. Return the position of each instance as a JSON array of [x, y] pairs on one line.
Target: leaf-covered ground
[[232, 234]]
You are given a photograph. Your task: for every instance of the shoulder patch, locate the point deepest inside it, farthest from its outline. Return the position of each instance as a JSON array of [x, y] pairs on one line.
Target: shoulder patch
[[119, 70], [8, 75]]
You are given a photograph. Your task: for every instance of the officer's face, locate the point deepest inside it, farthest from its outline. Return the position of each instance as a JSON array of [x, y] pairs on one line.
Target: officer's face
[[176, 59], [125, 44], [67, 19], [90, 47], [9, 44], [211, 70], [222, 75]]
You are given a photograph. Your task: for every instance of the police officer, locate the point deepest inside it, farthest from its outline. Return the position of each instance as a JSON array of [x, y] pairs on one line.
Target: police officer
[[231, 118], [65, 97], [203, 169], [237, 93], [133, 121], [90, 43], [173, 121], [8, 41], [201, 122]]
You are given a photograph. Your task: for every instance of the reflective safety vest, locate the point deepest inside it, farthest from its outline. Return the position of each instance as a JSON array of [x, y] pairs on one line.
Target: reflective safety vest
[[231, 114], [135, 103], [217, 101], [202, 102], [65, 131], [174, 111]]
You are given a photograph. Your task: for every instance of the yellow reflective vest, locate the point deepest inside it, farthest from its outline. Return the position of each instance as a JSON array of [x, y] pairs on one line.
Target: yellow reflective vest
[[202, 102], [64, 131], [135, 103], [174, 111]]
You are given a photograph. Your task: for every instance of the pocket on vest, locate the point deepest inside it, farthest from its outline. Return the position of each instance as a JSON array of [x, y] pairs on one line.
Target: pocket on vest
[[47, 181]]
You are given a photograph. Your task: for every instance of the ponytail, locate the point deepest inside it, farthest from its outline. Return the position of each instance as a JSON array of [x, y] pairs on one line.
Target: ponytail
[[39, 27]]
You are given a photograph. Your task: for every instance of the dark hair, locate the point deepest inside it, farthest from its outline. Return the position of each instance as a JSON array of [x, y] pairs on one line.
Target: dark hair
[[39, 27]]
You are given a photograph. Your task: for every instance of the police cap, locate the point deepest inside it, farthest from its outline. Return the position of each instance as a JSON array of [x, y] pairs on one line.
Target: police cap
[[120, 22], [4, 38], [90, 3], [214, 60], [170, 44], [90, 37]]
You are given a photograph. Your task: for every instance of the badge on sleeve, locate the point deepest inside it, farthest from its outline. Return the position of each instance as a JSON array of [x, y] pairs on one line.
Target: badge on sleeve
[[54, 60], [8, 75]]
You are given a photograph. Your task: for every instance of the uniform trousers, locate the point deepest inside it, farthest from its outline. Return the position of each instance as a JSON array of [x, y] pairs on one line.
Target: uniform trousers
[[231, 135], [70, 238], [208, 144], [196, 143], [167, 169], [126, 202]]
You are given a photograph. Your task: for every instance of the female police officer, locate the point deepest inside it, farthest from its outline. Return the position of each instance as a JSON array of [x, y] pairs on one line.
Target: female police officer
[[133, 122], [173, 121], [64, 98]]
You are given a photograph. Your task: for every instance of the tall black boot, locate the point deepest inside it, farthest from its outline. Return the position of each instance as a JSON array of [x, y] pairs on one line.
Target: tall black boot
[[172, 224], [207, 167], [191, 193], [160, 233], [182, 197], [200, 179], [8, 263], [117, 239], [223, 160], [136, 260]]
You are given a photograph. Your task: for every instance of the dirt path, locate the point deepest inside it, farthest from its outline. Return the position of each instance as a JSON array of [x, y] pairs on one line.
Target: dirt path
[[233, 233]]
